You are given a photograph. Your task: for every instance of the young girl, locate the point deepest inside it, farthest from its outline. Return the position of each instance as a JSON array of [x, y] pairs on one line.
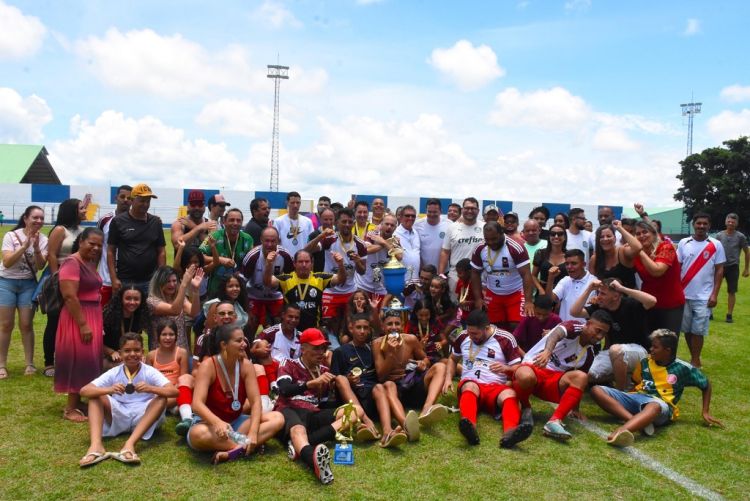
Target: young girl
[[125, 312], [423, 325], [359, 303], [231, 289], [168, 358], [439, 302], [463, 289]]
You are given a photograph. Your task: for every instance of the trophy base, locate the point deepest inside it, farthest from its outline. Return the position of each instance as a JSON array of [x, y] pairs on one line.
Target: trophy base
[[343, 454]]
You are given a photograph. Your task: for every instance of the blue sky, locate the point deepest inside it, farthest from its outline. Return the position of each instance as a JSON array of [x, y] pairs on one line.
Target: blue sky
[[570, 100]]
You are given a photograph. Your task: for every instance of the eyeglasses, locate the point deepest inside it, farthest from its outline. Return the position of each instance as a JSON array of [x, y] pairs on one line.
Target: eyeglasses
[[556, 233], [410, 216]]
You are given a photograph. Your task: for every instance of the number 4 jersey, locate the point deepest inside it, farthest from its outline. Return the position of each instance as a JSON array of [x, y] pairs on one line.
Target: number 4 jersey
[[476, 359]]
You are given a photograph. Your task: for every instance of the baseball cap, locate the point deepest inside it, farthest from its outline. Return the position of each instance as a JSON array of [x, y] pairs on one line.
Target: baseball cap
[[196, 197], [142, 190], [511, 214], [218, 199], [313, 337], [489, 208]]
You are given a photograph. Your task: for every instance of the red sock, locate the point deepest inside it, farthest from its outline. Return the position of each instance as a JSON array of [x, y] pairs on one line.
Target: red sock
[[511, 413], [185, 396], [468, 406], [569, 399], [263, 386], [523, 395]]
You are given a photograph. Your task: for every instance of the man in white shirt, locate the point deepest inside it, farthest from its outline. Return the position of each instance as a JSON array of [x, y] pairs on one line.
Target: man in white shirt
[[122, 201], [431, 232], [702, 259], [461, 239], [578, 237], [570, 288], [408, 238], [294, 228]]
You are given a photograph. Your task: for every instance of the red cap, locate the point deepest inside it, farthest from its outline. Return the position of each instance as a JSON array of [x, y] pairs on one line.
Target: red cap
[[313, 337], [196, 196]]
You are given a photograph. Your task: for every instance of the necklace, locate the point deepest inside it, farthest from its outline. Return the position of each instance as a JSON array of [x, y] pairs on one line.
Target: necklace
[[473, 354], [130, 387], [229, 245], [302, 292], [356, 352], [236, 405], [490, 258], [343, 243], [462, 295]]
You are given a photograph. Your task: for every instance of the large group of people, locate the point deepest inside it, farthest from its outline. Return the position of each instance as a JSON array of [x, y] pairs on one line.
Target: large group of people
[[284, 328]]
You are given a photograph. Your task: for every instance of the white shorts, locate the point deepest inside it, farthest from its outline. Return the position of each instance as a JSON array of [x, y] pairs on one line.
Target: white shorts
[[126, 417], [601, 368]]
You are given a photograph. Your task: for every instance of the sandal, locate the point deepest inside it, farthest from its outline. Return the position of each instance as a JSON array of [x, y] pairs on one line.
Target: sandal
[[96, 458], [30, 370], [74, 415], [127, 456], [366, 433], [232, 455], [394, 438], [3, 373], [49, 371]]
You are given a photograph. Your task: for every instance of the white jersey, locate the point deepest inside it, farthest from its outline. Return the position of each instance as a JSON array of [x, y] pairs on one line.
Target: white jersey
[[410, 243], [293, 234], [568, 290], [500, 268], [335, 244], [568, 353], [146, 374], [430, 240], [373, 280], [253, 267], [690, 251], [476, 359], [461, 239], [583, 241], [282, 348]]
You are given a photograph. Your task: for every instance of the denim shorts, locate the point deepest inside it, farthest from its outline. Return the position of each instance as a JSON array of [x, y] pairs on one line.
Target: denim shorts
[[635, 402], [695, 317], [16, 292], [235, 425]]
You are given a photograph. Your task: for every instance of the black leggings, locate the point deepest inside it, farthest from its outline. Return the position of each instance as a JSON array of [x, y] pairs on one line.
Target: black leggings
[[48, 342]]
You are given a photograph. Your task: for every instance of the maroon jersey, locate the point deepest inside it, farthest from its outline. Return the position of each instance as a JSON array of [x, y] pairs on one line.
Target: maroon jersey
[[293, 371]]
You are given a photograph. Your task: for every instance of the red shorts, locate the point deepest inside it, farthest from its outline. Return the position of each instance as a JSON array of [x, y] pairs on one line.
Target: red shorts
[[547, 383], [105, 293], [488, 394], [504, 309], [334, 305], [265, 310]]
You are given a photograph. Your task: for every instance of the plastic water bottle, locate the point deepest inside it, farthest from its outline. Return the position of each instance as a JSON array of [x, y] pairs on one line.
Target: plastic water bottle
[[237, 437]]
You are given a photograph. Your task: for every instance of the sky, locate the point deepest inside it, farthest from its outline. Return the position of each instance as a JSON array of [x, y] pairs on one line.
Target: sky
[[525, 100]]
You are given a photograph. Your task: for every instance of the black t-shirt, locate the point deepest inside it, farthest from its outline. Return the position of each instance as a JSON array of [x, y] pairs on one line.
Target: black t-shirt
[[347, 356], [318, 257], [138, 244], [629, 323], [253, 228]]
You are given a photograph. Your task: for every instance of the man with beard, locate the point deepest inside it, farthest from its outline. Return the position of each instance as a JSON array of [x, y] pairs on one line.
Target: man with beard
[[460, 241], [578, 237], [431, 232], [379, 243], [193, 228], [228, 248]]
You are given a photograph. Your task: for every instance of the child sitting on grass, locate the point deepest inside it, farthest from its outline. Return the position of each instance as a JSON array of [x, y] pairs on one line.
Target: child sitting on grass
[[128, 398], [660, 380]]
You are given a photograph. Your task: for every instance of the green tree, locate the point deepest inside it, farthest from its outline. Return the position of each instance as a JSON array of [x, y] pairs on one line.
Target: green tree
[[717, 181]]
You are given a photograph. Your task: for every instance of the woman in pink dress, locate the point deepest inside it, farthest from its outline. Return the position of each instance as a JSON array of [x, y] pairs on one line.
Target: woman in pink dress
[[78, 352]]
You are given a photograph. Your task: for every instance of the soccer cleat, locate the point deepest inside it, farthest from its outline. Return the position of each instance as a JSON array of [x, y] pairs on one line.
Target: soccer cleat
[[411, 426], [291, 453], [322, 464], [183, 427], [527, 416], [649, 430], [469, 431], [516, 435], [622, 438], [555, 429]]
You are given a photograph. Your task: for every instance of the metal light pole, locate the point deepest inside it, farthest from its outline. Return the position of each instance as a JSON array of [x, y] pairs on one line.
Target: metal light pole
[[277, 73], [690, 110]]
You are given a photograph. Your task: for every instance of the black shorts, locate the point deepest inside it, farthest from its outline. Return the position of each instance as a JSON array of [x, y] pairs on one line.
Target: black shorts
[[732, 276], [311, 420], [414, 394], [366, 400]]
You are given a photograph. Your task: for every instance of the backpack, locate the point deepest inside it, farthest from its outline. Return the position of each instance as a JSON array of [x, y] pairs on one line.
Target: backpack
[[50, 299]]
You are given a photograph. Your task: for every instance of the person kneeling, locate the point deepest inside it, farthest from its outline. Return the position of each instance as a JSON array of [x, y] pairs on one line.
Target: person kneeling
[[660, 380], [223, 382], [131, 397]]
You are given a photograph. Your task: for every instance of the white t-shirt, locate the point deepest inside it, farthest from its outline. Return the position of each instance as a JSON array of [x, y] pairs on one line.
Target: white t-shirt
[[584, 241], [282, 348], [568, 290], [373, 280], [689, 250], [335, 244], [410, 242], [147, 374], [461, 239], [294, 234], [12, 241], [430, 240]]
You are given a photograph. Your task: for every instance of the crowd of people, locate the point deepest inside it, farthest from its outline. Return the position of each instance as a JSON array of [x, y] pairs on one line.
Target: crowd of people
[[264, 329]]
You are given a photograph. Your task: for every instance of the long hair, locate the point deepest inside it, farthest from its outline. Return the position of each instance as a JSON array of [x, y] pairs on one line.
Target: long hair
[[657, 240], [67, 214], [26, 214], [222, 294], [161, 275], [547, 250], [601, 260], [113, 316]]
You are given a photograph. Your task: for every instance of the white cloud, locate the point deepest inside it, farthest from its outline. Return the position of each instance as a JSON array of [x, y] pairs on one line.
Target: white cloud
[[692, 27], [175, 67], [240, 118], [613, 139], [22, 118], [118, 148], [580, 5], [467, 66], [736, 93], [276, 15], [553, 109], [729, 125], [20, 35]]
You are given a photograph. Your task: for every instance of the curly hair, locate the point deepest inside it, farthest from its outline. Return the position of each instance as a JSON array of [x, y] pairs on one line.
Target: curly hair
[[222, 293], [113, 317]]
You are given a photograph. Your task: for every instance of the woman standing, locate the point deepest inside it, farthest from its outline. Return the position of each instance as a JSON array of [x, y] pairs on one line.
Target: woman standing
[[659, 269], [125, 312], [168, 299], [611, 261], [24, 252], [552, 255], [78, 359], [67, 228]]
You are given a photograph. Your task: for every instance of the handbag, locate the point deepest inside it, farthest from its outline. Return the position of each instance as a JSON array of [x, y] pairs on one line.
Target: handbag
[[50, 299]]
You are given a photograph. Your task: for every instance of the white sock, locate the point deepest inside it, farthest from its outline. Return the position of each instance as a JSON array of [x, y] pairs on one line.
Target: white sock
[[186, 412], [266, 403]]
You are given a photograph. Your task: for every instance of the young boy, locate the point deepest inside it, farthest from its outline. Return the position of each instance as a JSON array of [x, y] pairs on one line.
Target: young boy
[[660, 380], [128, 398]]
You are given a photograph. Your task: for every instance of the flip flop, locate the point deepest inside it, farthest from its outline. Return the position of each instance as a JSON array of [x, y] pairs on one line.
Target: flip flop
[[366, 434], [411, 426], [30, 370], [74, 415], [434, 414], [232, 455], [622, 438], [394, 439], [3, 373], [49, 371], [122, 457], [98, 457]]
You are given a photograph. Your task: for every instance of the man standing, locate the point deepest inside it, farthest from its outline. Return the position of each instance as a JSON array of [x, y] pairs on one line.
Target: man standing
[[431, 232], [702, 259], [733, 241], [409, 241], [506, 291], [294, 228], [454, 212], [325, 228], [491, 213], [567, 291], [259, 210], [217, 205], [379, 244], [460, 241], [578, 237], [378, 210], [228, 248], [605, 215], [531, 236], [323, 204], [122, 201], [135, 245], [362, 225], [193, 228], [510, 226]]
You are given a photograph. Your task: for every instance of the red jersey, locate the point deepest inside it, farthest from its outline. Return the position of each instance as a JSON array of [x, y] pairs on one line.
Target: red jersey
[[667, 288], [295, 372]]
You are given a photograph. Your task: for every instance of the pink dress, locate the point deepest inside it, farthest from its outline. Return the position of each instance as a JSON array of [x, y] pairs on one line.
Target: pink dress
[[78, 363]]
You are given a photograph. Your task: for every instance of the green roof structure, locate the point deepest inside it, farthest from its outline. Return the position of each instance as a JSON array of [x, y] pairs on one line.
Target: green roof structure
[[26, 163]]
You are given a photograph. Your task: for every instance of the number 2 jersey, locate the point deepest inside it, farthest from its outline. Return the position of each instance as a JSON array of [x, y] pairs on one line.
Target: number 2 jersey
[[568, 353], [476, 359]]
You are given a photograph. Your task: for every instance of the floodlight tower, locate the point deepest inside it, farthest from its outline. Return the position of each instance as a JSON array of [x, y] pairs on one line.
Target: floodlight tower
[[690, 109], [277, 73]]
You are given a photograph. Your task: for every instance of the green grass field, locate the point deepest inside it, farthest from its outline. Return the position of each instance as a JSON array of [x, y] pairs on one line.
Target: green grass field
[[39, 451]]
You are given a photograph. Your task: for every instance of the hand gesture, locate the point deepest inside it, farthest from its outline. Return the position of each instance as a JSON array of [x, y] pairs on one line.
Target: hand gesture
[[117, 389], [197, 279], [553, 272], [639, 208], [448, 387], [353, 380], [181, 243], [499, 368], [422, 365], [528, 309], [211, 241], [211, 225], [115, 356], [617, 224], [142, 387], [338, 258], [374, 302], [327, 232], [188, 275], [252, 442], [220, 429], [187, 223], [271, 257]]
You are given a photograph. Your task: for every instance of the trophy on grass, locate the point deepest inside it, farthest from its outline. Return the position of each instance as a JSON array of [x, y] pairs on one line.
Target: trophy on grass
[[344, 451]]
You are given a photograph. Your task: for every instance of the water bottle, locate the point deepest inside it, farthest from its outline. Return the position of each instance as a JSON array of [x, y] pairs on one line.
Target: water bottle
[[236, 437]]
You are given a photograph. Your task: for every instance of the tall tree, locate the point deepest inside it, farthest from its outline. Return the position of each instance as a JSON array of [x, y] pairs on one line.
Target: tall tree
[[717, 181]]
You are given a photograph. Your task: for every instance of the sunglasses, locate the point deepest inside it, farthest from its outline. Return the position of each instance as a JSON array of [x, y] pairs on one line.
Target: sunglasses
[[556, 233], [410, 216]]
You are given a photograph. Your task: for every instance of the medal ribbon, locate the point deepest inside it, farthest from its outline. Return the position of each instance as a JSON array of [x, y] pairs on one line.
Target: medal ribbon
[[129, 375], [236, 389]]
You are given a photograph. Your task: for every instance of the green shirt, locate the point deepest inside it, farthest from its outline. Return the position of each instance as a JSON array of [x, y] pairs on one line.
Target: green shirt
[[667, 382], [237, 252]]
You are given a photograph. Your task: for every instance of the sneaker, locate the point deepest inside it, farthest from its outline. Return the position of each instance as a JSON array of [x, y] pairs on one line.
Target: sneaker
[[623, 438], [435, 413], [183, 426], [322, 464], [649, 430], [469, 431], [516, 435], [556, 429], [291, 453], [411, 426], [527, 416], [729, 319]]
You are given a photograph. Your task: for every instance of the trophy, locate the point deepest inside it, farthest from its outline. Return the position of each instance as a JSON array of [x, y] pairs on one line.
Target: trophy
[[394, 274], [344, 451]]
